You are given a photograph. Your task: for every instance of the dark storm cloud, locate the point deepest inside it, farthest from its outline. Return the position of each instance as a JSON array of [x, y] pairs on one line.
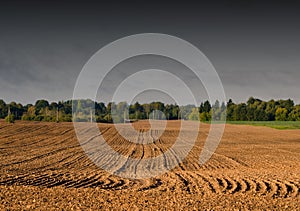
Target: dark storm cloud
[[253, 45]]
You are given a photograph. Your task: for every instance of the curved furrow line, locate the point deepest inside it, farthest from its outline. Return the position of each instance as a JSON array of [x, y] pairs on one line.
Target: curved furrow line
[[217, 164], [58, 141], [127, 162], [59, 164], [40, 130], [13, 180], [222, 184], [159, 148], [52, 180], [30, 181], [38, 140], [69, 130], [70, 181], [157, 183], [86, 136], [87, 163], [134, 151], [84, 181], [88, 141], [232, 186], [248, 185], [25, 182], [106, 181], [2, 128], [185, 183], [33, 164], [266, 187], [82, 162], [229, 185], [109, 183], [39, 156], [73, 159], [174, 158], [94, 182], [261, 187], [103, 130], [143, 152], [42, 180], [212, 180], [211, 165], [115, 186], [285, 189], [121, 184], [224, 162], [55, 181], [84, 128], [109, 136], [191, 162], [211, 185], [40, 143], [43, 143], [9, 130], [118, 143], [238, 162], [16, 130], [269, 188], [10, 140], [294, 189], [280, 190], [45, 131], [237, 186], [276, 189], [289, 190], [195, 182], [170, 153]]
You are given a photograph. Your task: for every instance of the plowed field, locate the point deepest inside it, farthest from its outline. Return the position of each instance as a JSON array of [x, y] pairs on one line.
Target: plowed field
[[43, 166]]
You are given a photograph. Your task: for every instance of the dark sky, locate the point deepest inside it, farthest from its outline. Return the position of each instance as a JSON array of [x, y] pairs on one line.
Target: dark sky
[[254, 45]]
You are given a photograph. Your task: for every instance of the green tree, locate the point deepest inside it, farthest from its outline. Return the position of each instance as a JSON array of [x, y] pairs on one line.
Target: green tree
[[294, 115], [30, 114], [216, 111], [287, 104], [186, 110], [281, 114], [239, 112], [39, 105], [10, 118], [270, 110], [194, 115], [206, 106], [147, 110], [205, 116], [230, 109], [3, 109]]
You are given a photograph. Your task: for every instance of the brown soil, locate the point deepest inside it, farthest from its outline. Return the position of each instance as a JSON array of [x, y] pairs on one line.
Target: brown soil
[[42, 166]]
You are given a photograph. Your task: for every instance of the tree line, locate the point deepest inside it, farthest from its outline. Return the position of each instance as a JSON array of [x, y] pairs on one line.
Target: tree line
[[88, 110]]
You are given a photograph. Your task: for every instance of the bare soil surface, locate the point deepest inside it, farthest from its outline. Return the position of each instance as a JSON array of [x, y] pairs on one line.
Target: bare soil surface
[[43, 166]]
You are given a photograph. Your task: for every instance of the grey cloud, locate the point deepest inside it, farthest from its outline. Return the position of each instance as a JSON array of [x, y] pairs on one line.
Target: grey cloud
[[255, 47]]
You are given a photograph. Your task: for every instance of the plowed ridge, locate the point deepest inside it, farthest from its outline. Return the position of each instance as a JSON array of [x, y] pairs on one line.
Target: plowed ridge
[[49, 155]]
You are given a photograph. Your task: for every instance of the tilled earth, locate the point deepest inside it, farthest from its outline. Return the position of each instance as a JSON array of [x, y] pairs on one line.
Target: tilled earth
[[44, 167]]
